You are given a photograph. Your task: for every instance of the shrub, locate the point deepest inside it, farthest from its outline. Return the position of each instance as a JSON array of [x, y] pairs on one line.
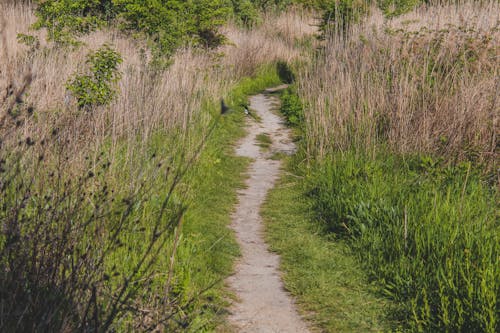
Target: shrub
[[172, 24], [66, 18], [245, 12], [97, 87], [398, 7]]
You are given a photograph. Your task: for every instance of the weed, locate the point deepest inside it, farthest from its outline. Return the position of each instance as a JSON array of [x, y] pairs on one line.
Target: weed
[[97, 88], [264, 140]]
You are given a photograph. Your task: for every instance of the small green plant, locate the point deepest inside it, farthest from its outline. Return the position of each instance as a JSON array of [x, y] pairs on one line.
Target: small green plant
[[291, 107], [31, 41], [397, 7], [264, 140], [97, 87]]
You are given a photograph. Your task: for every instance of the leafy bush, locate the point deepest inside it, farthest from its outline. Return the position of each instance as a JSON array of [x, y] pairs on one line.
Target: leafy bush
[[169, 23], [97, 87], [66, 18], [429, 234], [246, 12], [398, 7]]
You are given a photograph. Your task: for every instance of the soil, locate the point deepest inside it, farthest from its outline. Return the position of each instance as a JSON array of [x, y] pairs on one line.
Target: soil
[[263, 304]]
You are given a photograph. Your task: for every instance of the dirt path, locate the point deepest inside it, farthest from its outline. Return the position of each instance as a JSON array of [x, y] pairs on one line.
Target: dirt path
[[264, 306]]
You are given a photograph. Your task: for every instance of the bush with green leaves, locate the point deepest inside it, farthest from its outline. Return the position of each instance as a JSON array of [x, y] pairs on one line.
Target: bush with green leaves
[[174, 23], [66, 19], [169, 23], [398, 7], [245, 12], [97, 87]]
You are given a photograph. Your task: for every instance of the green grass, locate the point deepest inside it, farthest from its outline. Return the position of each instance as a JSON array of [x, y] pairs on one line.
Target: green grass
[[427, 233], [208, 248], [264, 140], [325, 277]]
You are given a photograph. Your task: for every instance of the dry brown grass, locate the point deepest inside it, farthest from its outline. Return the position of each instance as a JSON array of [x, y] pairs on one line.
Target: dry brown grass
[[426, 82], [148, 99], [76, 185]]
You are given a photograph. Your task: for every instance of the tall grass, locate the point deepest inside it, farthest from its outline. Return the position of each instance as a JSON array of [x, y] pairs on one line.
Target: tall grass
[[426, 81], [149, 98], [429, 235], [92, 202], [401, 122]]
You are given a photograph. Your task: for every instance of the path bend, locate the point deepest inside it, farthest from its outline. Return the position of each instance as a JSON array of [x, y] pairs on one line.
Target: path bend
[[263, 305]]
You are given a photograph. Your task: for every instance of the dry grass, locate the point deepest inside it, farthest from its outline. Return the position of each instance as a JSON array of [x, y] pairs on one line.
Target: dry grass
[[76, 185], [148, 99], [426, 82]]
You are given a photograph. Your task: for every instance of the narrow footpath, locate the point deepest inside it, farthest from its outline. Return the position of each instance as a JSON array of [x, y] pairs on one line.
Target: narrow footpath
[[263, 305]]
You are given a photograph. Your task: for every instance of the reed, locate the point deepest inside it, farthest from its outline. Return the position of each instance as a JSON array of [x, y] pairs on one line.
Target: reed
[[423, 82]]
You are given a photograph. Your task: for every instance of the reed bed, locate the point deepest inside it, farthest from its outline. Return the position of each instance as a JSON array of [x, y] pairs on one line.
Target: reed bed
[[427, 82]]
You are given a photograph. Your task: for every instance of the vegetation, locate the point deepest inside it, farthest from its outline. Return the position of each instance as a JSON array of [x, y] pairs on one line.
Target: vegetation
[[117, 178], [96, 88], [402, 162], [321, 271], [169, 24], [100, 228], [264, 140], [427, 233], [291, 107]]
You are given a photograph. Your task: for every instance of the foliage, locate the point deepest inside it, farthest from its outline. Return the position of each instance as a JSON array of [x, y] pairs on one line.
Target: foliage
[[435, 72], [97, 87], [324, 275], [31, 41], [66, 259], [170, 24], [339, 15], [65, 19], [245, 12], [398, 7], [175, 23], [291, 107], [429, 234]]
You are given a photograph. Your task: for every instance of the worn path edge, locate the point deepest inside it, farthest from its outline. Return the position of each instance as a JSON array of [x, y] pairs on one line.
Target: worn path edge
[[263, 304]]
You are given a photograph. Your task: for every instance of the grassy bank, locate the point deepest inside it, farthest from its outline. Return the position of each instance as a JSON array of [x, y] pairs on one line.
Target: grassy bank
[[322, 273], [399, 121], [208, 247], [423, 232], [428, 234]]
